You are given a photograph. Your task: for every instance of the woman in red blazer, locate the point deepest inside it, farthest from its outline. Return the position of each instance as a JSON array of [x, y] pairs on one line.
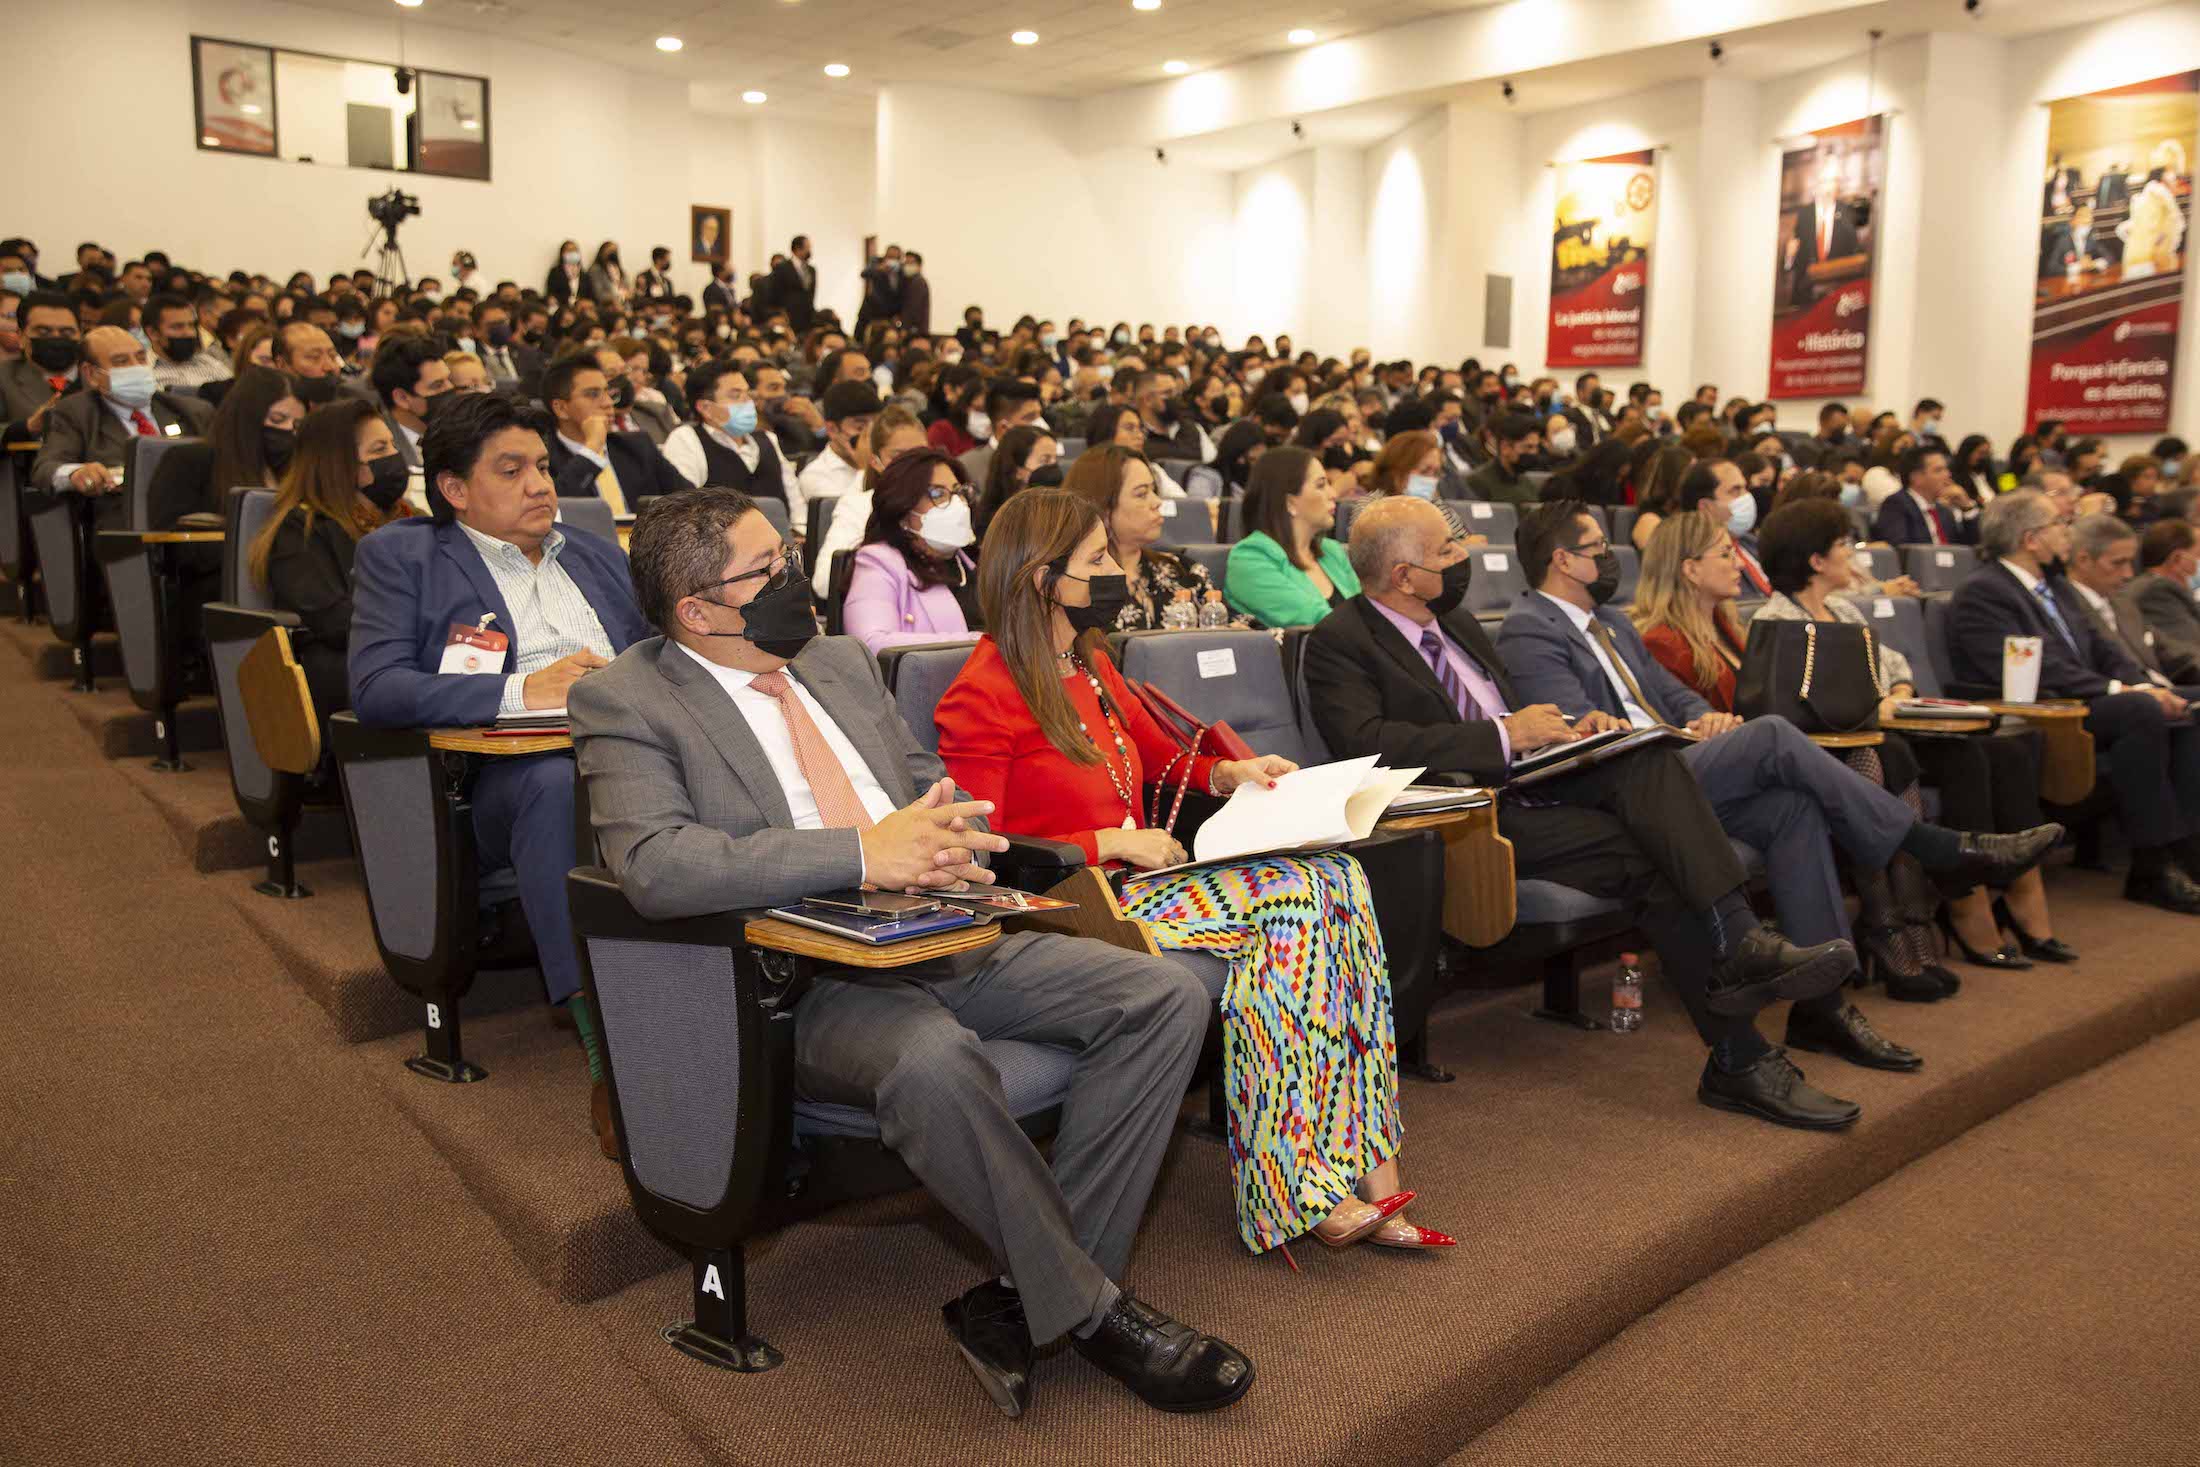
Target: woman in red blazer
[[1040, 723], [1702, 648]]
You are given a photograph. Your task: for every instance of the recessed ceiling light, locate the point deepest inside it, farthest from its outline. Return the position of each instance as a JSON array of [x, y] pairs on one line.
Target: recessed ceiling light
[[1025, 38], [836, 68], [669, 43], [752, 98], [1145, 4], [1176, 68], [1300, 36], [410, 4]]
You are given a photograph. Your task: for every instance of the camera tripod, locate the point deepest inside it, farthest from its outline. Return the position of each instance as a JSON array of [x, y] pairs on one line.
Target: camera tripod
[[390, 272]]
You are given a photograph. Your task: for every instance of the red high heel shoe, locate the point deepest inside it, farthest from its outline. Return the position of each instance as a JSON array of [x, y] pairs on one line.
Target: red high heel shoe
[[1384, 1211], [1421, 1237]]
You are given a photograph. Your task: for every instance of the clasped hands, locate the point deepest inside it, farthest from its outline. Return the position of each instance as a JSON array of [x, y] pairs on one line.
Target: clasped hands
[[930, 843]]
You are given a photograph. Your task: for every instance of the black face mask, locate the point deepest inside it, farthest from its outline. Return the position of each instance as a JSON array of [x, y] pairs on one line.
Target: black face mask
[[55, 354], [1456, 578], [1606, 585], [276, 446], [388, 484], [779, 621], [180, 348], [622, 394], [315, 391], [1046, 476], [1107, 596], [499, 336]]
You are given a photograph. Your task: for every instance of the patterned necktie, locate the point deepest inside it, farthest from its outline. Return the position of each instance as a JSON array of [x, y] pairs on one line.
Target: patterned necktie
[[1447, 677], [2054, 614], [1603, 634], [838, 805], [143, 424]]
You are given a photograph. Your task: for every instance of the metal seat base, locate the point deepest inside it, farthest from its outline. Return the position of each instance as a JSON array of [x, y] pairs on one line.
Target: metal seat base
[[460, 1072], [747, 1355]]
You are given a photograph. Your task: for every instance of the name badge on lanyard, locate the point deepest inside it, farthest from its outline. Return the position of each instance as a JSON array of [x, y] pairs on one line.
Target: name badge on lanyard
[[474, 649]]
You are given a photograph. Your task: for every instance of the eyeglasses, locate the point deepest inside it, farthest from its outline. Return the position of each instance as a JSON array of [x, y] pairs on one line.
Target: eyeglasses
[[1591, 548], [788, 563]]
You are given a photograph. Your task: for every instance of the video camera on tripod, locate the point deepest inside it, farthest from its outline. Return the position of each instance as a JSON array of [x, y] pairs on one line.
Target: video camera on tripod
[[393, 208], [389, 210]]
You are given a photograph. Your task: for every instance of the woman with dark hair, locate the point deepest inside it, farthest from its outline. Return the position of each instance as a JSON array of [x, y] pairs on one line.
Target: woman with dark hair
[[1023, 453], [567, 282], [1658, 491], [345, 479], [1119, 483], [1972, 467], [958, 422], [2024, 459], [1040, 723], [607, 283], [1117, 424], [1288, 572], [1601, 475], [912, 582], [1241, 447], [247, 446]]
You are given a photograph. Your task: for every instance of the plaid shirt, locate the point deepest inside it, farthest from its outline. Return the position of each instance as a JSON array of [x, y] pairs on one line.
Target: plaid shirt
[[551, 619]]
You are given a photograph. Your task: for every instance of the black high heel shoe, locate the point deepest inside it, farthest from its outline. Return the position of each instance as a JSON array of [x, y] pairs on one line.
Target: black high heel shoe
[[2047, 950], [1880, 959], [2005, 956]]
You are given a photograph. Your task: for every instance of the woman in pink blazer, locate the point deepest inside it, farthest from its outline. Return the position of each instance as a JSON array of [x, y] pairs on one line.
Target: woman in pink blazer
[[912, 582]]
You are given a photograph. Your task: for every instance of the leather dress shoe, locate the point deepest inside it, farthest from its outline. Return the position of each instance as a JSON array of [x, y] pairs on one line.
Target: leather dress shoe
[[1774, 1090], [1849, 1035], [1169, 1366], [2169, 888], [1765, 966], [988, 1328], [599, 1119], [1995, 860]]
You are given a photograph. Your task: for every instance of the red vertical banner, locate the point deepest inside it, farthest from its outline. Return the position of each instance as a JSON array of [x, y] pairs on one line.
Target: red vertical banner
[[1830, 183], [1604, 221], [2115, 221]]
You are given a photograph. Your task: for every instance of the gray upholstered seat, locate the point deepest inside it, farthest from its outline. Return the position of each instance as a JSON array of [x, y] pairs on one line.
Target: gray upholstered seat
[[1939, 567], [1223, 676], [1498, 580], [586, 512], [1500, 522]]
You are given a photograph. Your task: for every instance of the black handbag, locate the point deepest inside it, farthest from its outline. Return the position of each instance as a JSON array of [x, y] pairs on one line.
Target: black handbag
[[1821, 676]]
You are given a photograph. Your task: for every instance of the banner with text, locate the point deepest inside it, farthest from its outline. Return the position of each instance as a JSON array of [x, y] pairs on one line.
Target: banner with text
[[1606, 218], [2115, 212], [1829, 225]]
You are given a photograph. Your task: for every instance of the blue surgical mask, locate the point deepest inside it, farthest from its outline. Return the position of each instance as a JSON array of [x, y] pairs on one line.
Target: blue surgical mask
[[1852, 495], [17, 281], [1421, 486], [741, 419], [1742, 518], [131, 386]]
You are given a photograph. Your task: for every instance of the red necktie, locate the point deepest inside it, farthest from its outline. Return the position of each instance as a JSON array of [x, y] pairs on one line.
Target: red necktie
[[1825, 235], [1932, 522], [58, 384], [143, 424]]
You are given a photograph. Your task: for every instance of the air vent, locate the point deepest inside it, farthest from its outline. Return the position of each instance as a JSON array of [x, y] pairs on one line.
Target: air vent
[[936, 39]]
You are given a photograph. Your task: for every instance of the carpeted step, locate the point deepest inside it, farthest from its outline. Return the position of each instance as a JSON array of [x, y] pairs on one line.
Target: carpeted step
[[520, 1141], [125, 731], [201, 809], [51, 661], [325, 942]]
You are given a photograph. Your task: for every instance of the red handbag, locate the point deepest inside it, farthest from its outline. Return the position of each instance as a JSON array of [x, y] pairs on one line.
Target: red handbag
[[1192, 738]]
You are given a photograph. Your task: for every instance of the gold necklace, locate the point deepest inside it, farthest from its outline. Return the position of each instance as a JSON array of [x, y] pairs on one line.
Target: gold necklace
[[1121, 784]]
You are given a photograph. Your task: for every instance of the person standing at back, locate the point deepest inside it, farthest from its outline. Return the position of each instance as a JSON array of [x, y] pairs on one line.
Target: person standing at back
[[915, 311], [794, 285]]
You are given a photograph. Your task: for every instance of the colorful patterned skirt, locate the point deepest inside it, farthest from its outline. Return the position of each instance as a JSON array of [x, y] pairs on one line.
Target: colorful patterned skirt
[[1310, 1055]]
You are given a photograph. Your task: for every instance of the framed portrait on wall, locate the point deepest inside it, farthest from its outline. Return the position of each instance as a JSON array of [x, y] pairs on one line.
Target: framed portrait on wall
[[233, 89], [710, 227]]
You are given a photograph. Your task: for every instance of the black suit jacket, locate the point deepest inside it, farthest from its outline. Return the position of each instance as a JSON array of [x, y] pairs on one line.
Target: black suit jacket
[[916, 305], [1901, 522], [722, 296], [2113, 189], [1844, 242], [2061, 240], [81, 430], [642, 469], [794, 295], [1372, 692], [564, 292], [1994, 604]]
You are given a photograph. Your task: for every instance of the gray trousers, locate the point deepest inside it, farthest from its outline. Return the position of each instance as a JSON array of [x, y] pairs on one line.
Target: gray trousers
[[905, 1044]]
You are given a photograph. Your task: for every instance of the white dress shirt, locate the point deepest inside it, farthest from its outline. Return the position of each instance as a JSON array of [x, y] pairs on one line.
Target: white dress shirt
[[551, 618], [1637, 715], [829, 476], [769, 724], [683, 449], [851, 517]]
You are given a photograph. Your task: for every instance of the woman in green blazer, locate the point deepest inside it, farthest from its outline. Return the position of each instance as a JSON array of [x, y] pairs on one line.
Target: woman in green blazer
[[1287, 572]]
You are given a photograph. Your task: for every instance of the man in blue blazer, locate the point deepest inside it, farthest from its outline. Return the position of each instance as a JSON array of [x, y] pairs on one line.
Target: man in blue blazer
[[2149, 744], [492, 558], [1930, 509], [1563, 644]]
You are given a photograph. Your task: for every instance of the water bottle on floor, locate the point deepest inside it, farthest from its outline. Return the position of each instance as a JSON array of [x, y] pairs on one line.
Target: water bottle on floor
[[1627, 995]]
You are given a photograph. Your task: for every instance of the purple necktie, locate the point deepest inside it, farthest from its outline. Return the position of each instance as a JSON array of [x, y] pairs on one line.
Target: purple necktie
[[1432, 647]]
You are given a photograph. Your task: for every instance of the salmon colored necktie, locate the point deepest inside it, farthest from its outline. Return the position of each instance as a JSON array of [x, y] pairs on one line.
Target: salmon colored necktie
[[837, 802]]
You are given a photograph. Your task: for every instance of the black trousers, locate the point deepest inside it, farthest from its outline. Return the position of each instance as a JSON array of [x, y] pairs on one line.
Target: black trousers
[[1987, 782], [2153, 767]]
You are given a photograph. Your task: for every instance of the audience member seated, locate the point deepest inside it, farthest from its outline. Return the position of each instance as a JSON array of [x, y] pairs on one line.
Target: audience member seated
[[2159, 599], [1170, 432], [1115, 423], [248, 445], [343, 479], [1241, 447], [912, 582], [1931, 508], [1401, 672], [1657, 489], [1562, 643], [304, 351], [960, 422], [1716, 491], [1026, 456], [1411, 462], [49, 369], [86, 434], [492, 556], [724, 446], [181, 357], [739, 680], [1041, 725], [2104, 551], [1288, 572], [586, 457], [1513, 438], [1009, 405], [2150, 751], [895, 432], [468, 372], [408, 373], [1118, 483], [849, 410]]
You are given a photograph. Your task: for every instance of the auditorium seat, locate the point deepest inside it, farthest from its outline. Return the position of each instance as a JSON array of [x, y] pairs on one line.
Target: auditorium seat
[[1886, 561], [1228, 528], [1899, 621], [1347, 511], [1069, 448], [61, 535], [1621, 523], [1500, 522], [1215, 557], [587, 512], [818, 518], [1497, 581], [776, 511], [15, 535], [1939, 567], [1200, 481], [156, 665], [1185, 521], [1630, 571], [1936, 640]]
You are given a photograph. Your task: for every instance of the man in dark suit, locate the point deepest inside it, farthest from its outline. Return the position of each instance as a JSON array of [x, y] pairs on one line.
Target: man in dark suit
[[915, 313], [1590, 424], [1399, 671], [2113, 189], [1512, 439], [2142, 731], [587, 458], [87, 434], [2160, 597], [794, 285], [408, 373], [2075, 241], [1932, 508], [721, 293], [2104, 553], [512, 363], [491, 556], [1825, 229], [881, 289], [49, 369]]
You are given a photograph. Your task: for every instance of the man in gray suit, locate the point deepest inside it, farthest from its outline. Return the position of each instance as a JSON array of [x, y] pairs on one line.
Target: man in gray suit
[[2159, 599], [88, 433], [739, 761]]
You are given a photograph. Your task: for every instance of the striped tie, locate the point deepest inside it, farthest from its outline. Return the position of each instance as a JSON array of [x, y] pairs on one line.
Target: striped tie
[[1447, 678]]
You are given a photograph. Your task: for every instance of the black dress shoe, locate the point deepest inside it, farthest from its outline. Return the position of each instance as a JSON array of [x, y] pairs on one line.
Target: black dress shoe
[[1995, 860], [1849, 1035], [1765, 966], [2169, 888], [1169, 1366], [987, 1326], [1774, 1090]]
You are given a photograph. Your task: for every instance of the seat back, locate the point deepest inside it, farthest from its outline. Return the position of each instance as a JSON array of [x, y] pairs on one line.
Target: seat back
[[278, 706], [1630, 571], [1348, 510], [126, 564], [1939, 567], [1623, 519], [1228, 527], [1500, 522], [588, 513], [140, 463], [1936, 640], [1294, 666], [1536, 479], [1069, 447], [1186, 521], [14, 526], [837, 578], [245, 515], [819, 516], [1497, 582], [775, 510], [1886, 561], [58, 527], [919, 676], [415, 852], [1899, 621], [1224, 675], [1200, 481], [1215, 557]]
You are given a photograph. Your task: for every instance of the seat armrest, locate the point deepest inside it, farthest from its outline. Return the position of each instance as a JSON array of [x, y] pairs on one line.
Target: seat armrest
[[1034, 863], [600, 909]]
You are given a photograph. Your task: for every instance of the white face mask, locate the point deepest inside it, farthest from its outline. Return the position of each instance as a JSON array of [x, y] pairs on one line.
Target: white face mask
[[1106, 371], [980, 425], [1562, 442], [1299, 403], [883, 378], [1421, 486], [947, 526]]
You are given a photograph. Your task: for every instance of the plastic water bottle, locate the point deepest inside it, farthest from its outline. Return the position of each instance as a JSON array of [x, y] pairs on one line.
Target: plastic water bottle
[[1212, 613], [1178, 615], [1627, 995]]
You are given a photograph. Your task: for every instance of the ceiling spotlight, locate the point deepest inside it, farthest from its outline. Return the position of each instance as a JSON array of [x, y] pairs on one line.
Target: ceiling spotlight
[[753, 98], [1508, 89], [1300, 37], [1718, 52], [1145, 4], [1298, 129], [1161, 156], [1176, 68], [410, 4], [1024, 38], [669, 43], [836, 68]]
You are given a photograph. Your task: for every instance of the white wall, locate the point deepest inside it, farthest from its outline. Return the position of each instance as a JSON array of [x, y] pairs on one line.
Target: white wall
[[1413, 269], [820, 181], [1272, 252]]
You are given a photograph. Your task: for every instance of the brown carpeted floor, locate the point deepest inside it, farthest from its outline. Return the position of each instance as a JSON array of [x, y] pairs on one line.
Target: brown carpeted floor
[[229, 1236]]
